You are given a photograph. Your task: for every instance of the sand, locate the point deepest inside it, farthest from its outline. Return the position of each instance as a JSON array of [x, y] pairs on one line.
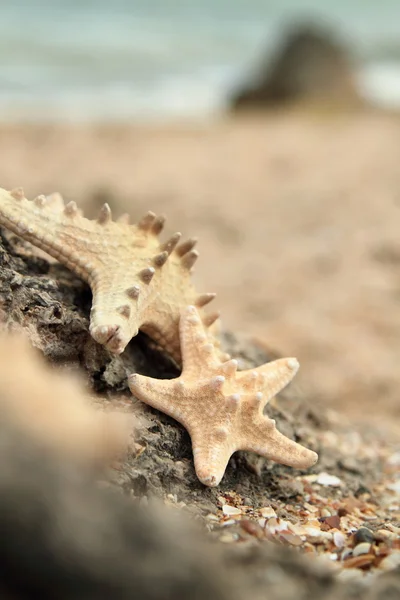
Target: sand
[[298, 221]]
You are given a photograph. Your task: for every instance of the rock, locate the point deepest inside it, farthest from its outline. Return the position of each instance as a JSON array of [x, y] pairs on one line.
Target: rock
[[363, 548], [311, 67], [363, 535], [63, 537]]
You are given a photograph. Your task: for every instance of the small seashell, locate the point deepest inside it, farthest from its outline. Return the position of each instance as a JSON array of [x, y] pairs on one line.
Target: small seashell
[[347, 553], [228, 523], [262, 522], [297, 529], [290, 538], [276, 525], [252, 527], [331, 522], [231, 510], [339, 539], [212, 517], [282, 525], [272, 524], [316, 535], [357, 562], [326, 479], [267, 512]]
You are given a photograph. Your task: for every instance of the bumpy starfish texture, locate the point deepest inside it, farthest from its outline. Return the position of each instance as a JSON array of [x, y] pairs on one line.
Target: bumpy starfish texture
[[222, 409], [137, 281]]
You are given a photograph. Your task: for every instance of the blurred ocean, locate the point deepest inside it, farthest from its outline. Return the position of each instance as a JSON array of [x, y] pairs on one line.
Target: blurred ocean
[[151, 59]]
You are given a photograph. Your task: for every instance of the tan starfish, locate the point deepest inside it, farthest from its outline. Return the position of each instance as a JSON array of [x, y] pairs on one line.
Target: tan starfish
[[137, 282], [222, 409]]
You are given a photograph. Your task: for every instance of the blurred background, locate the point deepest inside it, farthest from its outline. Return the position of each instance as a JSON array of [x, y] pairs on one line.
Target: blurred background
[[95, 59], [269, 129]]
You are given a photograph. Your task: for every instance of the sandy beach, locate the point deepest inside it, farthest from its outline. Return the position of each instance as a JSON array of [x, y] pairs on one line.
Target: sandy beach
[[297, 217]]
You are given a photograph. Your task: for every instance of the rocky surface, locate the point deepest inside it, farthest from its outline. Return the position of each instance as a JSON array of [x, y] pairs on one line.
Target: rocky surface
[[255, 517]]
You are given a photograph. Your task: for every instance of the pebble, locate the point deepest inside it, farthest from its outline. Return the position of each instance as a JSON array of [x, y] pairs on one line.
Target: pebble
[[228, 538], [333, 556], [384, 534], [363, 535], [267, 512], [395, 486], [363, 548], [393, 528], [331, 522], [392, 561], [394, 459]]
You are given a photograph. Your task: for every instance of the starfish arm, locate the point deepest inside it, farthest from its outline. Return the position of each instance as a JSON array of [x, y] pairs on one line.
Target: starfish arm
[[211, 454], [170, 396], [264, 439], [137, 282], [158, 393], [199, 355], [268, 379], [40, 222], [87, 247]]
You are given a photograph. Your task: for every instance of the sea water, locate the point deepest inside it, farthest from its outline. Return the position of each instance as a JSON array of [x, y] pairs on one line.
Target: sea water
[[80, 60]]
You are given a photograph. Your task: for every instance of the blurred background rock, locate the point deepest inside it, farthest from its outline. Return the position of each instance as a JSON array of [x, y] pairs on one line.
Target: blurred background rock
[[310, 67]]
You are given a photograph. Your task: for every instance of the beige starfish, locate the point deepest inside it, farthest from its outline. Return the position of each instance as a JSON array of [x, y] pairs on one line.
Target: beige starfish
[[137, 282], [222, 409]]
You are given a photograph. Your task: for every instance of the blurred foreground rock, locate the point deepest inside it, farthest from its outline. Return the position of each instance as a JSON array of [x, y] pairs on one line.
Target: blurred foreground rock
[[310, 67]]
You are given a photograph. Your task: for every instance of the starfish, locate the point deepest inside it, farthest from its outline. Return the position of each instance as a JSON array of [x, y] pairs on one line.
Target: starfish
[[137, 281], [221, 408]]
